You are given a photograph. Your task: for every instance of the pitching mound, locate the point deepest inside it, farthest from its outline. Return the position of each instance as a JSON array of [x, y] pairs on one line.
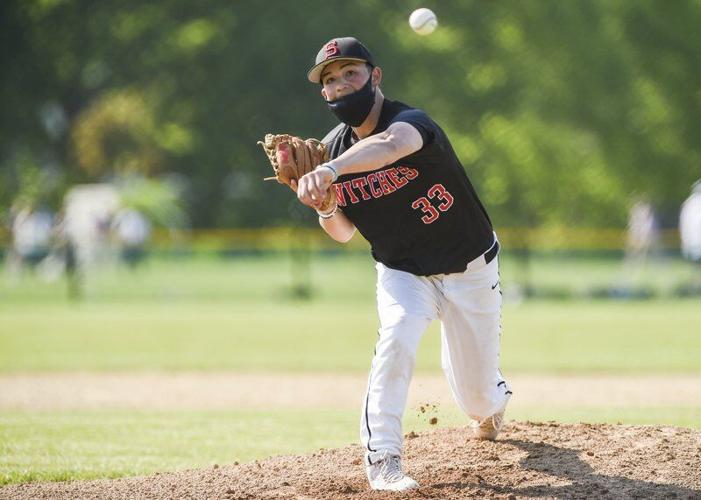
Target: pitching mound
[[529, 460]]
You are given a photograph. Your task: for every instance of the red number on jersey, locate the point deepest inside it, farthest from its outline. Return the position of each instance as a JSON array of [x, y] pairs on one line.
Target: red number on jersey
[[437, 190], [443, 195], [426, 207]]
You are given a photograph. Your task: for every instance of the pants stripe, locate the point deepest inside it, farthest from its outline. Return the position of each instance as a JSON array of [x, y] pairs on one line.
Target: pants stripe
[[367, 398]]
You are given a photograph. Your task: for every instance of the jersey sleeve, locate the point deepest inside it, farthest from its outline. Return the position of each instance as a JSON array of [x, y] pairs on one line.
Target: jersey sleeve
[[420, 121], [333, 135]]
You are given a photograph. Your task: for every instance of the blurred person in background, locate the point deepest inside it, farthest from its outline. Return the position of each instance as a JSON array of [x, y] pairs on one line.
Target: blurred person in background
[[690, 231], [89, 211], [64, 254], [31, 230], [132, 230], [643, 231], [642, 241]]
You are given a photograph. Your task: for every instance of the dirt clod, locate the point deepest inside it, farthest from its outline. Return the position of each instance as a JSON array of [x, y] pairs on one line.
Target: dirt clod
[[545, 461]]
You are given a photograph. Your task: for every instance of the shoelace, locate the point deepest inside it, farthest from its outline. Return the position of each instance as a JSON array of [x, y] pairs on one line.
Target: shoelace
[[391, 469]]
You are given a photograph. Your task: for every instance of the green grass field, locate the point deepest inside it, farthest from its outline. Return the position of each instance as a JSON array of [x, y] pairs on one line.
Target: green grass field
[[239, 315], [538, 337], [333, 278]]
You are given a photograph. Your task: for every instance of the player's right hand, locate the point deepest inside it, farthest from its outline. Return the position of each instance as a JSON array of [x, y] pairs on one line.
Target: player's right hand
[[313, 187]]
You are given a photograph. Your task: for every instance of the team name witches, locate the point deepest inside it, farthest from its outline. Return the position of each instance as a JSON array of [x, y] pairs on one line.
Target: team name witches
[[374, 185]]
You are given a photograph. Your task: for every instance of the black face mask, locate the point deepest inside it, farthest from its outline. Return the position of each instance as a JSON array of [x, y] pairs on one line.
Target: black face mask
[[353, 109]]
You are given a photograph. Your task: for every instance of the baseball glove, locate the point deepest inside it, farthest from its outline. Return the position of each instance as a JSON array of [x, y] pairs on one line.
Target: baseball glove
[[291, 157]]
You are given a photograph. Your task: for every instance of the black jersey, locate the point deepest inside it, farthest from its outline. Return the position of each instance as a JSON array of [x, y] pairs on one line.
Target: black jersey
[[420, 214]]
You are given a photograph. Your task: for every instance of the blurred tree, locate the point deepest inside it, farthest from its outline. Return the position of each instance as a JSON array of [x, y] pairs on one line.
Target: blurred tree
[[116, 134], [158, 199], [559, 110]]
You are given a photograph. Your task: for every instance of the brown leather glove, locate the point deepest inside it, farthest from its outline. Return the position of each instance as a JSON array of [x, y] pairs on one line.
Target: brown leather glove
[[291, 157]]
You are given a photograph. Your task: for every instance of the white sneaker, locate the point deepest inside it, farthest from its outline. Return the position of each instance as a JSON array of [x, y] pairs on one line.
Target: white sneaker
[[386, 474], [488, 428]]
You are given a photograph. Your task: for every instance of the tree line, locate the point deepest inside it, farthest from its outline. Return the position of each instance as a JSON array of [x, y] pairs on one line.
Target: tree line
[[561, 112]]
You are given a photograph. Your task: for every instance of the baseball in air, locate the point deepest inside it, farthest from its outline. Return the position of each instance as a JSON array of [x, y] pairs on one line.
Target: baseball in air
[[423, 21]]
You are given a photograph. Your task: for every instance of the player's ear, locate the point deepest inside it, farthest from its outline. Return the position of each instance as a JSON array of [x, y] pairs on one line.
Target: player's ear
[[376, 76], [323, 94]]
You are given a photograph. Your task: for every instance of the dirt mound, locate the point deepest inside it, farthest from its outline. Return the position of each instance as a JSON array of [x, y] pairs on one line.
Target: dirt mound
[[529, 460]]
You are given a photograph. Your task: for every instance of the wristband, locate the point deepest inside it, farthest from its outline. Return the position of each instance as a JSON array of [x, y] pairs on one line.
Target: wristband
[[333, 170], [329, 214]]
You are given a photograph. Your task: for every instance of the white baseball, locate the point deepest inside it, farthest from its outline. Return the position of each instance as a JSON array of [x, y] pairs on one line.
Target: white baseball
[[423, 21]]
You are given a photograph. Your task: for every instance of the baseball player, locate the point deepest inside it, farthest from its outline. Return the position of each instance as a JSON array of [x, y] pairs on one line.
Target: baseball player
[[690, 229], [398, 181]]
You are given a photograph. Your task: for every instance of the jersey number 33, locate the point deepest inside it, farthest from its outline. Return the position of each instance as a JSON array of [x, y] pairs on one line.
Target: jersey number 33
[[437, 191]]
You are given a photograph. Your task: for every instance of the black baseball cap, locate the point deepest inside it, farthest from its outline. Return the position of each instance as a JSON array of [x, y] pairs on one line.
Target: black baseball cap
[[339, 48]]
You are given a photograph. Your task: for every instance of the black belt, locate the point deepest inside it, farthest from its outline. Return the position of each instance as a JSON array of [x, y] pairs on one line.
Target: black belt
[[491, 253]]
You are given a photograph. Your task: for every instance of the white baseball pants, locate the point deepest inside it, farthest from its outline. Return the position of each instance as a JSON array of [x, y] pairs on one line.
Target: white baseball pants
[[469, 307]]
